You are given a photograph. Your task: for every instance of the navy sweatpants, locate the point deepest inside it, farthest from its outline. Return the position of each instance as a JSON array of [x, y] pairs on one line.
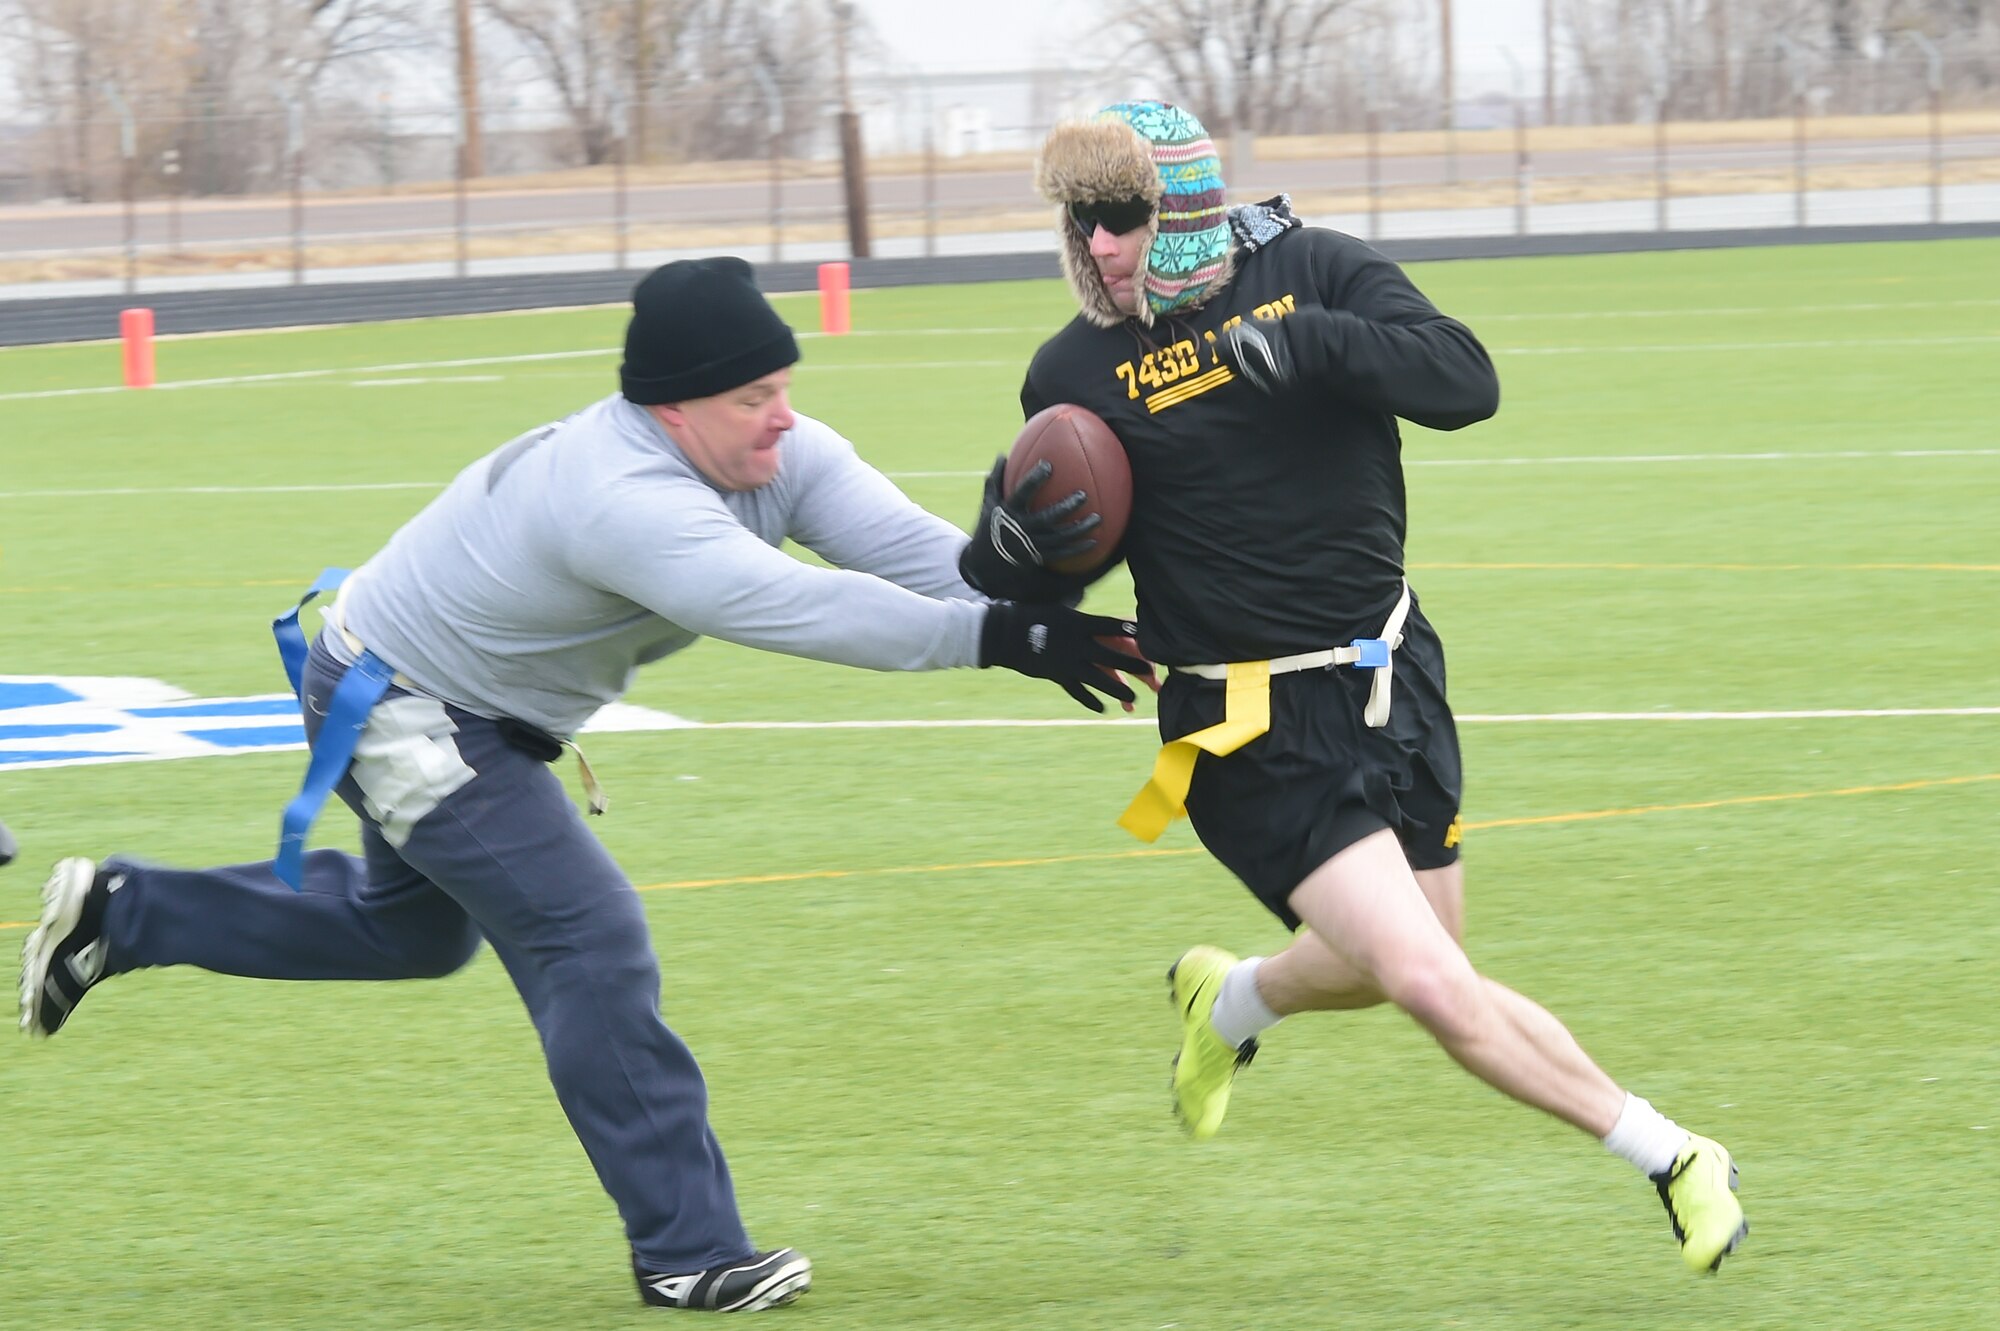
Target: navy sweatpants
[[465, 836]]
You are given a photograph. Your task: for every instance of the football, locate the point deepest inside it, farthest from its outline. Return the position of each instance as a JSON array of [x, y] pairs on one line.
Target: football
[[1086, 456]]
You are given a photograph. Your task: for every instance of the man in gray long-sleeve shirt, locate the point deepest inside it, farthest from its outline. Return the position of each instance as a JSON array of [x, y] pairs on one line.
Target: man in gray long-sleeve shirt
[[509, 610]]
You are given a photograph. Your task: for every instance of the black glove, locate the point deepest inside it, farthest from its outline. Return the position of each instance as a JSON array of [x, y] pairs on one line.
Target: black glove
[[1055, 642], [1277, 355], [1012, 546]]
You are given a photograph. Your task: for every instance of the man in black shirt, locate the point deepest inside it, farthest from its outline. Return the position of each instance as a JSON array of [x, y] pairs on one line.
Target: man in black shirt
[[1255, 370]]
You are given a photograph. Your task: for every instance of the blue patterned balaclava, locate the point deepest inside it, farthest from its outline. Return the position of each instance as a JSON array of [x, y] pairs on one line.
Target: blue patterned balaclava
[[1193, 239]]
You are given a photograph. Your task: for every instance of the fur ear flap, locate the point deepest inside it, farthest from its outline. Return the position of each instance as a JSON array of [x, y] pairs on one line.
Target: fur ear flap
[[1093, 161], [1097, 160]]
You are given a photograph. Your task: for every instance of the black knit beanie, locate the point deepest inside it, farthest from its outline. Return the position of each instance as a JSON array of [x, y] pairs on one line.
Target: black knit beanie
[[700, 327]]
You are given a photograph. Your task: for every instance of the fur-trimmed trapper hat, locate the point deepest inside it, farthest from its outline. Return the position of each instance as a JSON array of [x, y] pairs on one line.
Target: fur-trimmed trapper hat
[[1157, 152]]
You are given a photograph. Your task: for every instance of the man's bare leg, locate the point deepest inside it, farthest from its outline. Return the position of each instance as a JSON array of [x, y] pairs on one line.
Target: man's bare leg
[[1310, 976], [1365, 907], [1397, 939], [1376, 930]]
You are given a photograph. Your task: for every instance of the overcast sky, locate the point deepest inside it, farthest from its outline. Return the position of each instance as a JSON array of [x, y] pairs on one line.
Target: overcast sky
[[937, 36]]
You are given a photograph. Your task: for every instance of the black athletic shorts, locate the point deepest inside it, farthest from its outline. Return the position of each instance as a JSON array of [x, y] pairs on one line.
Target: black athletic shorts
[[1321, 780]]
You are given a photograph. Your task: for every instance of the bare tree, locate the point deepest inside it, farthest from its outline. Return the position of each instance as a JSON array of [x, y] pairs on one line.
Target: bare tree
[[718, 72], [75, 62], [697, 70], [1725, 58], [1248, 64], [1623, 52], [1386, 68], [257, 60], [192, 75], [580, 49]]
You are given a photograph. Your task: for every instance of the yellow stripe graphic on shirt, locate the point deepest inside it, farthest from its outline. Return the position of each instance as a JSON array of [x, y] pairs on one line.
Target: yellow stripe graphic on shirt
[[1188, 388]]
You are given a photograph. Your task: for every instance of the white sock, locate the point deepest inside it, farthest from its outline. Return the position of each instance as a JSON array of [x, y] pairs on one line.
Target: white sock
[[1239, 1013], [1646, 1137]]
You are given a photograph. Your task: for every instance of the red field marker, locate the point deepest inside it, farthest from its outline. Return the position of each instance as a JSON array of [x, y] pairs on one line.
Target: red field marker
[[833, 315], [135, 326]]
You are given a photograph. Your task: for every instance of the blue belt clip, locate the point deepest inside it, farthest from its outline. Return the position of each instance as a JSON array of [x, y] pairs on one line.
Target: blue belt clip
[[292, 638], [346, 717], [1374, 653]]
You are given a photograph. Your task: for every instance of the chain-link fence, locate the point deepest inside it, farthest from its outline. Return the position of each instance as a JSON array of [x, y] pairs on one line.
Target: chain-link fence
[[135, 197]]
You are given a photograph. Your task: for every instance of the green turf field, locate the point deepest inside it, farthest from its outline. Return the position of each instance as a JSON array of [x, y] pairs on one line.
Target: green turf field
[[922, 968]]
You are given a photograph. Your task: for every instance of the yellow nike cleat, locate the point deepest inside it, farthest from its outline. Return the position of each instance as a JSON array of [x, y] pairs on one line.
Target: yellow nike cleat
[[1206, 1064], [1700, 1196]]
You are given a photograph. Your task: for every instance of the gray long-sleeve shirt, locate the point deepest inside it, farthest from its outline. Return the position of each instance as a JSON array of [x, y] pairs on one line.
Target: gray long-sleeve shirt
[[552, 568]]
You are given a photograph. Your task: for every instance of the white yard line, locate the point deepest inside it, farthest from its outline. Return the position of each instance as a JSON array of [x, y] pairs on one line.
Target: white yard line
[[287, 376], [293, 376], [1474, 718], [1049, 329], [642, 719], [1820, 714], [284, 376], [1565, 460], [429, 379], [1609, 458], [1045, 330], [219, 490], [1818, 344], [1615, 458], [1725, 311]]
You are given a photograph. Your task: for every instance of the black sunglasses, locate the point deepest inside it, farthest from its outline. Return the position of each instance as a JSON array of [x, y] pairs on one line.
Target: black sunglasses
[[1117, 216]]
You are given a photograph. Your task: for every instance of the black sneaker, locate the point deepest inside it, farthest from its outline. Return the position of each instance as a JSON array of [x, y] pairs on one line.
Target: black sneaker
[[764, 1280], [64, 957], [8, 850]]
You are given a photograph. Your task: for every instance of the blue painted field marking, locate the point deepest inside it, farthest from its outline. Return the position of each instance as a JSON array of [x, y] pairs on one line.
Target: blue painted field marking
[[58, 757], [84, 720], [32, 693], [277, 705], [53, 731], [65, 720], [253, 737]]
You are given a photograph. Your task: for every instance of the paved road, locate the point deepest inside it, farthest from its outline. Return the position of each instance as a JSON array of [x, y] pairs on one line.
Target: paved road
[[47, 232]]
